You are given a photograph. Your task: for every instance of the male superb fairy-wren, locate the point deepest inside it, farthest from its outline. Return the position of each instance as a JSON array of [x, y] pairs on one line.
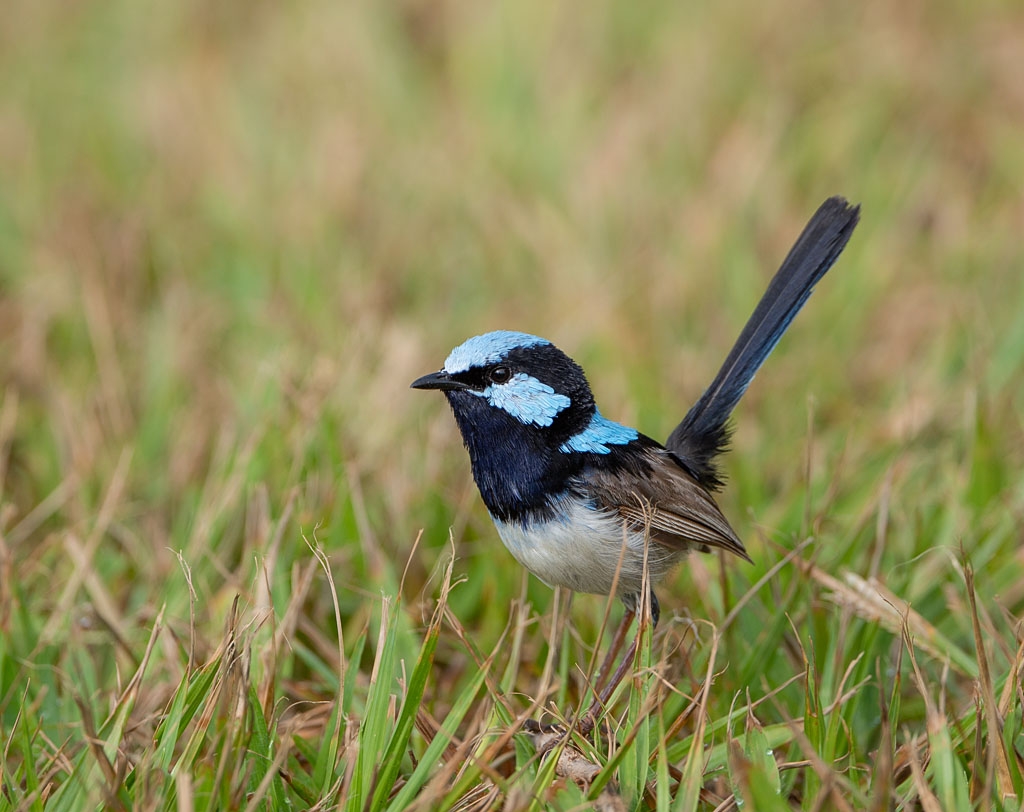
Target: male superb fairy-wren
[[586, 503]]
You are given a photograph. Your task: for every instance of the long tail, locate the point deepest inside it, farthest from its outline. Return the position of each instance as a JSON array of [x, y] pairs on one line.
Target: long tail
[[704, 432]]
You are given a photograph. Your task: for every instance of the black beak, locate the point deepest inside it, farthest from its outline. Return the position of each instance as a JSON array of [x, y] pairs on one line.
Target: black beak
[[438, 380]]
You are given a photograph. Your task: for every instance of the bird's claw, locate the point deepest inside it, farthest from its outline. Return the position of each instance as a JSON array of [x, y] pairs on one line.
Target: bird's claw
[[545, 736], [583, 725], [535, 728]]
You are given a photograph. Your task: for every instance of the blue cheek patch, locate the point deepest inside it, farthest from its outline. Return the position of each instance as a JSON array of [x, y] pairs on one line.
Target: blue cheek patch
[[598, 436], [528, 400]]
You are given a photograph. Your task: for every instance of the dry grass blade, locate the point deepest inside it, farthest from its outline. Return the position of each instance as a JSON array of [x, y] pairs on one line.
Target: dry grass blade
[[48, 506], [8, 418], [790, 556], [998, 766], [83, 555], [872, 601], [1013, 683], [258, 798], [928, 799], [95, 744], [883, 766], [835, 788]]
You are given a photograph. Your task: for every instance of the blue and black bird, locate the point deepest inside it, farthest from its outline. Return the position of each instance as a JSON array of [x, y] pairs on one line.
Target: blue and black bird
[[585, 503]]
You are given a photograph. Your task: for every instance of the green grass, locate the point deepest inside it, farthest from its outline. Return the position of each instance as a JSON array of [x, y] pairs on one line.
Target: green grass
[[242, 566]]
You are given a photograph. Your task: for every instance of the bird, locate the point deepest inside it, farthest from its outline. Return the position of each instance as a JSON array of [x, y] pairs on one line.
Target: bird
[[592, 505]]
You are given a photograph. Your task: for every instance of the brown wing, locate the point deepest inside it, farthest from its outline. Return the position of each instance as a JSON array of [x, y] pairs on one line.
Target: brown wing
[[669, 503]]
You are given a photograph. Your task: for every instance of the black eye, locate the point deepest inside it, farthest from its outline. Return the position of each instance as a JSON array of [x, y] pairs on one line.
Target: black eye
[[500, 374]]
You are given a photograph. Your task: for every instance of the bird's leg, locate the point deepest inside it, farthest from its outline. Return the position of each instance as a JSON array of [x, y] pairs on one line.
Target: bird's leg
[[613, 650], [585, 724], [603, 670]]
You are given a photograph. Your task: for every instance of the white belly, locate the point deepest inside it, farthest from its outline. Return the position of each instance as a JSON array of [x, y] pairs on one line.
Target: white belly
[[582, 551]]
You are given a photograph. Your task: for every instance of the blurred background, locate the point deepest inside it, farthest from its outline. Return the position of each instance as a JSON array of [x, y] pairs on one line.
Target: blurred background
[[232, 233], [245, 220]]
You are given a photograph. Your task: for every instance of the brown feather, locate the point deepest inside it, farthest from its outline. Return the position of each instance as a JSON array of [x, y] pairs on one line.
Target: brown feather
[[668, 503]]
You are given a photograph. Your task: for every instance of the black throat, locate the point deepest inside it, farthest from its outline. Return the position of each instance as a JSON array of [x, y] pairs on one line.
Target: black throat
[[518, 467]]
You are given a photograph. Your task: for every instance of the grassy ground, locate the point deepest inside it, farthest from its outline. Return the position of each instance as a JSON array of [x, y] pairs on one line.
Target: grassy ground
[[243, 566]]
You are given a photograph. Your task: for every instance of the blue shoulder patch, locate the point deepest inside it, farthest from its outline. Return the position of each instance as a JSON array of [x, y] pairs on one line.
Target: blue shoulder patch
[[488, 348], [599, 434]]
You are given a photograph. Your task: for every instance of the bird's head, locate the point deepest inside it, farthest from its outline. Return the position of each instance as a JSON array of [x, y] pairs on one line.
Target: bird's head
[[513, 380], [527, 417]]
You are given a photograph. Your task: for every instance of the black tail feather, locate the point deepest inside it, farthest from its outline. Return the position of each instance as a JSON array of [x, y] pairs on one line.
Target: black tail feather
[[704, 432]]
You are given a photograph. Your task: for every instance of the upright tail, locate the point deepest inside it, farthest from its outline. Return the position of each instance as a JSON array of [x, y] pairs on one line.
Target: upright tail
[[704, 432]]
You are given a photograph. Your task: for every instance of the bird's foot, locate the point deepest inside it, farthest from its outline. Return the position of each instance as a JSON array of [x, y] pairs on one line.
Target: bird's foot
[[545, 736], [571, 762], [533, 727], [584, 725]]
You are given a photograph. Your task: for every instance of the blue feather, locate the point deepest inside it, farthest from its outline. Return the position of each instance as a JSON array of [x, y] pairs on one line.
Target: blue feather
[[488, 348], [527, 399], [704, 432], [598, 437]]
